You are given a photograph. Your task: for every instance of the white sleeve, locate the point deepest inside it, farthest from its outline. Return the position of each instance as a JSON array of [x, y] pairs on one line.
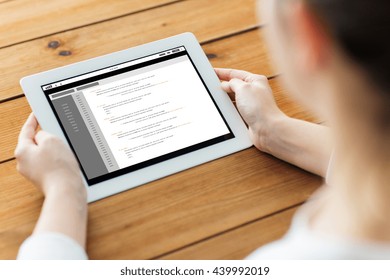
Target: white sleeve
[[51, 246]]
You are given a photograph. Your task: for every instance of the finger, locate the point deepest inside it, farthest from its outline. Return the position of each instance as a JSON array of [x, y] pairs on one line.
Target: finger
[[222, 73], [254, 78], [237, 85], [226, 87], [27, 132], [26, 137], [228, 74]]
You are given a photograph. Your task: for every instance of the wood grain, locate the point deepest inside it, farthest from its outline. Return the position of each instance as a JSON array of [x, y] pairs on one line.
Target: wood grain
[[246, 51], [237, 243], [20, 205], [206, 19], [12, 116], [3, 1], [18, 22], [169, 213]]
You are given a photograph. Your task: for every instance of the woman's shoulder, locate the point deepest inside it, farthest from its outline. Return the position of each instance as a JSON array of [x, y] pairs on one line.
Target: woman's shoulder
[[303, 243]]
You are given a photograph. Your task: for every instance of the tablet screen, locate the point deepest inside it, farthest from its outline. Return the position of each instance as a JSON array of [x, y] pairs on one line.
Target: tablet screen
[[141, 112]]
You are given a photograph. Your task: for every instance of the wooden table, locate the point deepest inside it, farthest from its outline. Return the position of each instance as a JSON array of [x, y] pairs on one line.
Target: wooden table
[[220, 210]]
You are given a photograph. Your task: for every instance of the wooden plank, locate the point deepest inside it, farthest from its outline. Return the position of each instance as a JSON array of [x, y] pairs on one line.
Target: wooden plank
[[208, 20], [12, 116], [246, 51], [13, 113], [3, 1], [20, 205], [24, 20], [167, 214], [238, 243]]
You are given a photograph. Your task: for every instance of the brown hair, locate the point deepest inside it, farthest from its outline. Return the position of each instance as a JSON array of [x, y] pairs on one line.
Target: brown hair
[[362, 30]]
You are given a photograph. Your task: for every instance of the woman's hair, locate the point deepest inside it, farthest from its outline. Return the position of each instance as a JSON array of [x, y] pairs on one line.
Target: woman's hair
[[362, 30]]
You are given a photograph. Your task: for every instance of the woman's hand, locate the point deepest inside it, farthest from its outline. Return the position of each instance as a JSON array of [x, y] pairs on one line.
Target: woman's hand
[[254, 100], [46, 161], [301, 143]]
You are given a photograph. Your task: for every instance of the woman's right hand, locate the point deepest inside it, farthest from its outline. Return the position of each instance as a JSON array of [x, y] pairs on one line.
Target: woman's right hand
[[254, 100], [298, 142]]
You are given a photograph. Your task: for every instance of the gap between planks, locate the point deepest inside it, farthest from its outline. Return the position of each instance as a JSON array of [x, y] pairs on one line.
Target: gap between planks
[[228, 230], [4, 1], [80, 40], [90, 24], [202, 43]]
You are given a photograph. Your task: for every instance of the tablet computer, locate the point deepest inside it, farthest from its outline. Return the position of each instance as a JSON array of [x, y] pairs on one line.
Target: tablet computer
[[138, 115]]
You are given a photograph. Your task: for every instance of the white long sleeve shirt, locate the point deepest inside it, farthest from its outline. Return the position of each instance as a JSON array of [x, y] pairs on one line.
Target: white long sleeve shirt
[[51, 246]]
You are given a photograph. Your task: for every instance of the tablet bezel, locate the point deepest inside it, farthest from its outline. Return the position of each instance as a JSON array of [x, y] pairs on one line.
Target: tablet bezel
[[45, 115]]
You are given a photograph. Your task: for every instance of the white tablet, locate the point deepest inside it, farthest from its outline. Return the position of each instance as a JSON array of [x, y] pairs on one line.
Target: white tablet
[[138, 115]]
